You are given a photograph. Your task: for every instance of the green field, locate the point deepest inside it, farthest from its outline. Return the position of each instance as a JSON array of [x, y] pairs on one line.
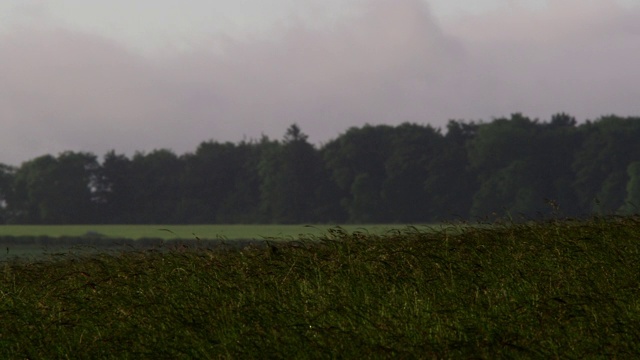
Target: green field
[[558, 289], [167, 232], [46, 240]]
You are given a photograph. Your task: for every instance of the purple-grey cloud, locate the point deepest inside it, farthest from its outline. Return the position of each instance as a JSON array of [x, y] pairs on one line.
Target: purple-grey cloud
[[65, 90]]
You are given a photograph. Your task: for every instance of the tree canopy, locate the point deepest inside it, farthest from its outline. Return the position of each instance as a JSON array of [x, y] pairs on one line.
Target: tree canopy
[[409, 173]]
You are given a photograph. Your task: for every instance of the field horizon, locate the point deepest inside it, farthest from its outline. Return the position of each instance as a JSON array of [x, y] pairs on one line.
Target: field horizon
[[553, 289], [36, 242], [192, 231]]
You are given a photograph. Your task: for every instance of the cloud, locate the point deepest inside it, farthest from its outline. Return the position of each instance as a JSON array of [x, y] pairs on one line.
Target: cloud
[[573, 56], [62, 89]]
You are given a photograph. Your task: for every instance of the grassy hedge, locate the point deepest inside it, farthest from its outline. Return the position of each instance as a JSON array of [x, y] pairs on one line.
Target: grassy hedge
[[559, 289]]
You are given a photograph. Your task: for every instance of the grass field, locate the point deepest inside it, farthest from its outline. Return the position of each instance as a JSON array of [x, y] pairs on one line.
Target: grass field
[[559, 289], [101, 238], [167, 232]]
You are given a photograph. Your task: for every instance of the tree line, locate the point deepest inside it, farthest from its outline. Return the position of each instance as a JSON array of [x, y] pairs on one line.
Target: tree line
[[409, 173]]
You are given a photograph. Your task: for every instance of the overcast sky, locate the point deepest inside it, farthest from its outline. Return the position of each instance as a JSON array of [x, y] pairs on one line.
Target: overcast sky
[[145, 74]]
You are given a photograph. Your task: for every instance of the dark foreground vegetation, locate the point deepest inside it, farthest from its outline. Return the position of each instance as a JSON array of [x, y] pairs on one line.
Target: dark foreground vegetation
[[410, 173], [558, 289]]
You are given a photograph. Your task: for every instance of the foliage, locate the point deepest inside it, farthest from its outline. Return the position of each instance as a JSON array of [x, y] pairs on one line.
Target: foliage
[[290, 174], [632, 200], [600, 166], [6, 182], [115, 189], [356, 162], [451, 182], [412, 149], [213, 176], [54, 190], [410, 173], [560, 289]]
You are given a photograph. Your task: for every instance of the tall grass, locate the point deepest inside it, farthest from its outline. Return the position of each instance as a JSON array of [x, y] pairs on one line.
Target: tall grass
[[560, 289]]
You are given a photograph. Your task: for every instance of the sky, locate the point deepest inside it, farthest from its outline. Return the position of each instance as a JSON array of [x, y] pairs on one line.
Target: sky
[[148, 74]]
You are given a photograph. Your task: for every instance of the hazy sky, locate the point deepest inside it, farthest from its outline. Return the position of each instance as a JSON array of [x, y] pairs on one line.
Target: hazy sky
[[137, 75]]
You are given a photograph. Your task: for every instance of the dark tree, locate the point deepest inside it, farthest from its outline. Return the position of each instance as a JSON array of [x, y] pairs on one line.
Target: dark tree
[[55, 190], [156, 177], [522, 165], [412, 149], [220, 184], [7, 174], [501, 153], [632, 201], [290, 174], [373, 174], [451, 183], [356, 161], [115, 189], [242, 204], [608, 147]]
